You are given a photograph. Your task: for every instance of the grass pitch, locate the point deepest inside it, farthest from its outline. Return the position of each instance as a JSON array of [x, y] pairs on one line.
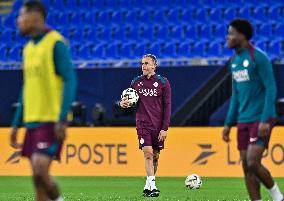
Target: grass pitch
[[130, 189]]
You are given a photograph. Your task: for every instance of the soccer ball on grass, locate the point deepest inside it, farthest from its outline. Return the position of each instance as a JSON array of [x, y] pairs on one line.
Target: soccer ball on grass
[[193, 181]]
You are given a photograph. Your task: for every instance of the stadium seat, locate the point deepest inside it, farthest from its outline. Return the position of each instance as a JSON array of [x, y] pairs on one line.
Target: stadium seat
[[184, 49], [279, 30], [206, 32], [201, 16], [131, 32], [127, 51], [168, 50], [10, 21], [176, 33], [139, 25], [191, 32], [275, 49], [174, 16], [142, 49], [214, 49], [229, 14], [244, 12], [215, 15], [198, 49], [187, 16], [265, 30], [220, 32], [259, 13], [275, 13]]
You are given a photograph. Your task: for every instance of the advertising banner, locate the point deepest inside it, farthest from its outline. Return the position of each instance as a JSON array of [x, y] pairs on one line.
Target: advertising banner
[[115, 152]]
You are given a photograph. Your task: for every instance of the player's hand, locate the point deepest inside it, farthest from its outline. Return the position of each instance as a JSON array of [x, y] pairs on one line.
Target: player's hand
[[124, 103], [60, 131], [13, 139], [263, 129], [226, 134], [162, 135]]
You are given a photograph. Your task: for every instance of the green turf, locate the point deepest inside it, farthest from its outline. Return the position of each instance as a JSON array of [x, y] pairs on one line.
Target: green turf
[[130, 188]]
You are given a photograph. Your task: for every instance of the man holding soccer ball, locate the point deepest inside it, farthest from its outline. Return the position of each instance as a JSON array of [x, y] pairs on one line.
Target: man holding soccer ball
[[152, 117]]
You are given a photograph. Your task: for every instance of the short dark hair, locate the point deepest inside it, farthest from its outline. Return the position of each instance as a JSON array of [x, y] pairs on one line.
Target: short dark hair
[[153, 57], [243, 26], [34, 5]]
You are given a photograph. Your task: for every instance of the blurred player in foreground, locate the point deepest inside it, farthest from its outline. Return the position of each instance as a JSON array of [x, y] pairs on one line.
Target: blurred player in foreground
[[48, 91], [252, 107]]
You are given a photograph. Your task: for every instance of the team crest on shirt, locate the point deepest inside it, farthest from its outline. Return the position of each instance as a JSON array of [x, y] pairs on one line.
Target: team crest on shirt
[[245, 63], [140, 84], [42, 145], [234, 65], [155, 84], [141, 141]]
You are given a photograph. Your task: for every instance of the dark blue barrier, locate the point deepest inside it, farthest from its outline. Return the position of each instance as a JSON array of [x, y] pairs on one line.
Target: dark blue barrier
[[105, 86]]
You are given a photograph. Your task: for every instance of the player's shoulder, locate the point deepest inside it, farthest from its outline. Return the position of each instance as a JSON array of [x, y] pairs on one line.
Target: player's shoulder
[[162, 79], [137, 78], [260, 54]]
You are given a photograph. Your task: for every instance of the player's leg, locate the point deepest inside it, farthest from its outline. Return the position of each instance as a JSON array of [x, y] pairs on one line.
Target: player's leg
[[42, 180], [148, 160], [151, 181], [156, 159], [254, 157], [251, 181]]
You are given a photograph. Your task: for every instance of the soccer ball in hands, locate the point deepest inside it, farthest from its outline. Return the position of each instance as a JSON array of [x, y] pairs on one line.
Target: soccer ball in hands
[[193, 181], [131, 95]]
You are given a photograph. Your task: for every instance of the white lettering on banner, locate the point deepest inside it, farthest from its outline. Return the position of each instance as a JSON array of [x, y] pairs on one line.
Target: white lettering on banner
[[148, 92], [241, 75]]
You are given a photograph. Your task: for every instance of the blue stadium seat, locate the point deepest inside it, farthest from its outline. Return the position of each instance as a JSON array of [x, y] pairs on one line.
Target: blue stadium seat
[[112, 51], [159, 17], [220, 32], [198, 49], [10, 21], [244, 12], [168, 50], [75, 18], [161, 32], [229, 14], [191, 32], [275, 13], [262, 44], [142, 49], [206, 32], [275, 49], [279, 30], [187, 16], [215, 15], [259, 13], [183, 50], [226, 52], [7, 36], [132, 33], [98, 52], [214, 50], [148, 33], [265, 30], [174, 16], [201, 16], [127, 51], [176, 33]]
